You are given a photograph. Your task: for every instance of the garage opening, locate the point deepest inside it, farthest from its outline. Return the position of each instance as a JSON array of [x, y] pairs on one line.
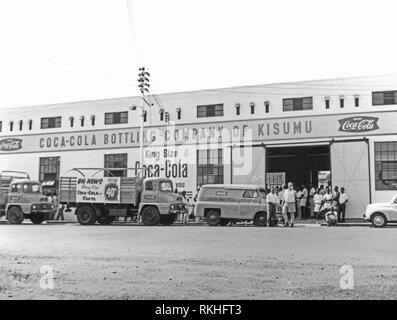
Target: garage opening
[[308, 165]]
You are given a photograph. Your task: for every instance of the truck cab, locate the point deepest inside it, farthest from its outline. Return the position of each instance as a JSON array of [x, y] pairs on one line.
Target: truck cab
[[22, 198], [159, 203]]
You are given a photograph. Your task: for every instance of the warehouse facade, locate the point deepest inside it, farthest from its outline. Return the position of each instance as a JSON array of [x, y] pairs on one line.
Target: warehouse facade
[[338, 132]]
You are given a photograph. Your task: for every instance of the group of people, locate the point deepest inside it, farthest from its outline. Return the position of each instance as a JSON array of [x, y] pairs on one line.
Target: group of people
[[314, 203]]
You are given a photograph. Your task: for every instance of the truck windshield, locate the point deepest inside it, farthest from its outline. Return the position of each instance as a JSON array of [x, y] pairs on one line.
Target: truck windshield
[[166, 186], [31, 188]]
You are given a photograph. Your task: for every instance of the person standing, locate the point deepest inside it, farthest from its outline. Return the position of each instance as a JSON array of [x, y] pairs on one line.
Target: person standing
[[335, 198], [311, 201], [317, 201], [271, 200], [185, 214], [289, 204], [303, 202], [343, 198]]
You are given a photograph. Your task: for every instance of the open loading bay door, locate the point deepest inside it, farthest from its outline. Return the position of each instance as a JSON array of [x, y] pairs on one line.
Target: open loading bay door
[[350, 169]]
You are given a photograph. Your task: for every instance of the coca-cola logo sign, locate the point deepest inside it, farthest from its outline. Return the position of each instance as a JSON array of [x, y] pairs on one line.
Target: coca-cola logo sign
[[358, 124], [10, 144]]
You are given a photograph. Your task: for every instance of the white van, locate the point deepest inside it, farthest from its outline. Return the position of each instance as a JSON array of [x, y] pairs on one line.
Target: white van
[[222, 203]]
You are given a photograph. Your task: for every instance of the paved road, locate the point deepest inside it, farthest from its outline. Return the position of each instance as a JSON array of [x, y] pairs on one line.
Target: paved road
[[196, 262]]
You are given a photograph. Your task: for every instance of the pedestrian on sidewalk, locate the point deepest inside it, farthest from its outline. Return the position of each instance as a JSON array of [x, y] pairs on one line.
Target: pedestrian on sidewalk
[[311, 201], [343, 198], [272, 201], [303, 202], [289, 205], [317, 201]]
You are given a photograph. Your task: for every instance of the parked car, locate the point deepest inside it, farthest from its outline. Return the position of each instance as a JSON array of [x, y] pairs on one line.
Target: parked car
[[382, 213], [221, 203]]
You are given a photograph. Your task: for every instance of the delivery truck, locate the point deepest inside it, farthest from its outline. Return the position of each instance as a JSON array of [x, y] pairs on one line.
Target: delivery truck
[[104, 198], [22, 198]]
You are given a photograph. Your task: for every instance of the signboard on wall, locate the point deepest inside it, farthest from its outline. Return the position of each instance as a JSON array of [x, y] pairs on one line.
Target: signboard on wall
[[98, 190], [233, 132]]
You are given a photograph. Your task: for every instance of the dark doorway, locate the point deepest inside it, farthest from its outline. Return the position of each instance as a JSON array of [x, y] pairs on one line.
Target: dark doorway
[[301, 165]]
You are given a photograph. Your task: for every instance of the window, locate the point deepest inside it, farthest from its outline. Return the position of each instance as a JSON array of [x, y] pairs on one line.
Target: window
[[20, 123], [30, 123], [118, 160], [92, 120], [1, 126], [49, 169], [267, 106], [161, 114], [252, 106], [356, 101], [71, 119], [178, 113], [150, 186], [381, 98], [11, 125], [297, 104], [165, 186], [17, 187], [237, 109], [144, 116], [31, 188], [116, 117], [326, 102], [342, 102], [386, 165], [250, 194], [209, 166], [82, 121], [213, 110], [48, 123]]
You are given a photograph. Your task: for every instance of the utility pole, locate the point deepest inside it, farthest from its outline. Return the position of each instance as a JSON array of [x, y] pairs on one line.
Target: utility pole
[[144, 86]]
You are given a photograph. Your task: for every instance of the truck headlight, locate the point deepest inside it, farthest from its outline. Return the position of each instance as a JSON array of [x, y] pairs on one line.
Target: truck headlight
[[34, 207], [172, 207]]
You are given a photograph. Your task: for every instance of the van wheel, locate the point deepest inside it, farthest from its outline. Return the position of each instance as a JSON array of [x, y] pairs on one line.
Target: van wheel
[[260, 219], [15, 215], [167, 219], [86, 215], [150, 216], [105, 220], [213, 218], [224, 222], [378, 220], [37, 218]]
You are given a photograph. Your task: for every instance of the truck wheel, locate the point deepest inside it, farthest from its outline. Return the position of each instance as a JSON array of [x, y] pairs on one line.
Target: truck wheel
[[150, 216], [15, 215], [86, 215], [260, 219], [224, 222], [378, 220], [213, 218], [37, 219], [105, 220]]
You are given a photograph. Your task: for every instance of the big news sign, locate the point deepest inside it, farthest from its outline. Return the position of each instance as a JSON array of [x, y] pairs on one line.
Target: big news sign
[[324, 126]]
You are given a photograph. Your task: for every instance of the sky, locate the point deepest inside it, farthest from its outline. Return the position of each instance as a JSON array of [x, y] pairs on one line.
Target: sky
[[71, 50]]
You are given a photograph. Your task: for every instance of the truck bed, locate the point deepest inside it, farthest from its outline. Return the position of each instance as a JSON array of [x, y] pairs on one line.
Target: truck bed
[[129, 190]]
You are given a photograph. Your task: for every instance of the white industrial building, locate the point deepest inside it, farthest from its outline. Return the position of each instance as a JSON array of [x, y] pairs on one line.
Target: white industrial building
[[342, 130]]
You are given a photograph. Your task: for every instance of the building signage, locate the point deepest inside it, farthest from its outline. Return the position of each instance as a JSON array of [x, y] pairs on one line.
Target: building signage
[[11, 144], [98, 190], [358, 124], [222, 133]]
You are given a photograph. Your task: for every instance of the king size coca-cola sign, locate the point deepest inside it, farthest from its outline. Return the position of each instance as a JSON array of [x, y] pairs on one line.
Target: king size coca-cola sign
[[358, 124], [10, 144]]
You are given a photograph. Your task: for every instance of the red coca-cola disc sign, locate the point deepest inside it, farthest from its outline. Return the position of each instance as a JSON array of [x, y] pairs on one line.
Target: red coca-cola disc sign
[[10, 144], [358, 124]]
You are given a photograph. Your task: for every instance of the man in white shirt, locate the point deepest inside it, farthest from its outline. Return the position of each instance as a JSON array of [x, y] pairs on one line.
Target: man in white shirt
[[272, 200], [343, 198], [289, 204]]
